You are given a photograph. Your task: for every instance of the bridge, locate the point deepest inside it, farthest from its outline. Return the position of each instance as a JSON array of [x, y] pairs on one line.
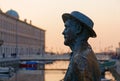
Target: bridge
[[44, 58]]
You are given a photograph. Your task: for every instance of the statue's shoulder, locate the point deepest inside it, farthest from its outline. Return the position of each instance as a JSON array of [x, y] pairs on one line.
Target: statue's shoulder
[[82, 56], [81, 59], [80, 62]]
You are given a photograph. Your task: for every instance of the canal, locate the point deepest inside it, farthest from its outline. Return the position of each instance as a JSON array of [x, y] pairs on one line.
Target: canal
[[53, 72]]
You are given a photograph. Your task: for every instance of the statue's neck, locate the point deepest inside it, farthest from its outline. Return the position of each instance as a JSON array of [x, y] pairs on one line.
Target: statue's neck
[[79, 42]]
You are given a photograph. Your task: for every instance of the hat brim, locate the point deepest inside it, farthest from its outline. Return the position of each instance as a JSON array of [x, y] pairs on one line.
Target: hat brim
[[67, 16]]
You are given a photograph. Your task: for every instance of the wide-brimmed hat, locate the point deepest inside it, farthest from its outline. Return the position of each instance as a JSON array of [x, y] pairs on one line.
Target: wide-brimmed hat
[[82, 19]]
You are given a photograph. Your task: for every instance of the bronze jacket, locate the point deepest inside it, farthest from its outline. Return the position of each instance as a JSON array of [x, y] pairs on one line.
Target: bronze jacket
[[83, 66]]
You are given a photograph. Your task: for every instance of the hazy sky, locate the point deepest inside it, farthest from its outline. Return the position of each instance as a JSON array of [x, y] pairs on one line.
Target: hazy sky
[[46, 14]]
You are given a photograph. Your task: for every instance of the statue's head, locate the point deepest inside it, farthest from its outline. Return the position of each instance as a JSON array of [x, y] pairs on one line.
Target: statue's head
[[75, 23]]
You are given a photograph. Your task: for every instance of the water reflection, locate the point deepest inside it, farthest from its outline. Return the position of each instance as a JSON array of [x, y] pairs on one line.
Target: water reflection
[[56, 71], [54, 75]]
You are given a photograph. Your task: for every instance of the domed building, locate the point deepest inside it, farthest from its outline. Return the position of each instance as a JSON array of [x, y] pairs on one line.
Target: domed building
[[12, 13], [19, 37]]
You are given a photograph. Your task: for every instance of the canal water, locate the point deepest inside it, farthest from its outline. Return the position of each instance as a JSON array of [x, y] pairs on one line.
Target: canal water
[[57, 71], [53, 72]]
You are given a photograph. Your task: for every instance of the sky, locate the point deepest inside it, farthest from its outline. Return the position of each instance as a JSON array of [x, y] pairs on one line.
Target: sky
[[46, 14]]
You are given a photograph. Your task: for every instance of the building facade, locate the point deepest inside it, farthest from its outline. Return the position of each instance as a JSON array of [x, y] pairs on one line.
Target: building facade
[[19, 37]]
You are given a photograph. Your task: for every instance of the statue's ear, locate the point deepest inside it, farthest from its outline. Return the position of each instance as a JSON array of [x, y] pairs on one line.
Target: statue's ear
[[79, 29]]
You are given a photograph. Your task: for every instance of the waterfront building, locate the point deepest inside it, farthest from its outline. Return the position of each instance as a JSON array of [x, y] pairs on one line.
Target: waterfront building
[[19, 37]]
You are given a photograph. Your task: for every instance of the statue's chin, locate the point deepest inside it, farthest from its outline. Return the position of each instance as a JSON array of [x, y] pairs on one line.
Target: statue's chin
[[66, 43]]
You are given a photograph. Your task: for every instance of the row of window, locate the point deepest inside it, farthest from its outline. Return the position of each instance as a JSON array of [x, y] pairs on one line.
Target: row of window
[[20, 51], [18, 26], [19, 39]]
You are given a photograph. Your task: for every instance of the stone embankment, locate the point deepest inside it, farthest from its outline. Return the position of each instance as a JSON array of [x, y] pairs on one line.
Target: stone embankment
[[28, 76]]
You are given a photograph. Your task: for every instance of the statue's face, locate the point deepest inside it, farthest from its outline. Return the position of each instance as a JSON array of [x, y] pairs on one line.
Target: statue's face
[[70, 32]]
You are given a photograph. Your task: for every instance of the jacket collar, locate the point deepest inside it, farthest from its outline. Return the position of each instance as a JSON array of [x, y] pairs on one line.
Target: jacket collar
[[82, 48]]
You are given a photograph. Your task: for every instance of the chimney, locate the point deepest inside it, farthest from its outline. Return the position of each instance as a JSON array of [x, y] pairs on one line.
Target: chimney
[[25, 20], [30, 22]]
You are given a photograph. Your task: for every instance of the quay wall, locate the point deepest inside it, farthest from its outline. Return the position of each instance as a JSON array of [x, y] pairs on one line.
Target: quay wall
[[9, 62]]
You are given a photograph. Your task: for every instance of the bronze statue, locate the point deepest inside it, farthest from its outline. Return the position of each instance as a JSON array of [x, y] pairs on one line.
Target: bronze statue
[[83, 63]]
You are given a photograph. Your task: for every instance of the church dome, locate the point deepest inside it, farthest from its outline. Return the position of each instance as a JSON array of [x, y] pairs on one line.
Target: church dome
[[12, 13]]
